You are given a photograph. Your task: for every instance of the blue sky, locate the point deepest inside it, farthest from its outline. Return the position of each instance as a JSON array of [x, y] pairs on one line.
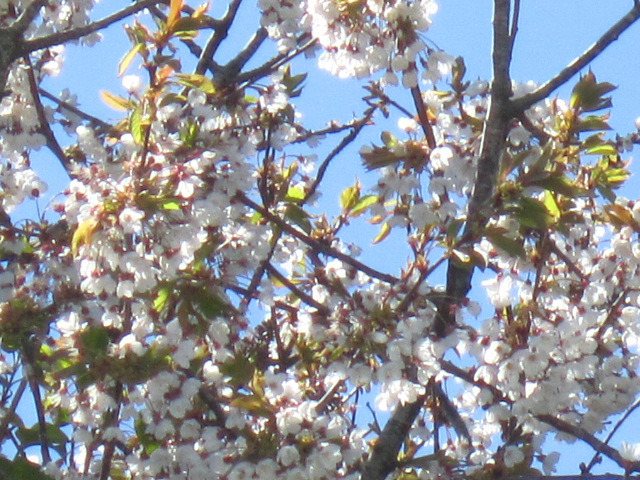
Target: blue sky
[[551, 34]]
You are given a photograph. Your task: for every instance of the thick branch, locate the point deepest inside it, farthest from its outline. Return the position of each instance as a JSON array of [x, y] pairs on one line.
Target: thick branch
[[493, 142], [384, 457], [610, 36]]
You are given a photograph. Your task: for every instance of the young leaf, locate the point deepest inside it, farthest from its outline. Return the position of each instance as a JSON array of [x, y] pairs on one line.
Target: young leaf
[[384, 233], [349, 197], [84, 234], [128, 58], [363, 204], [115, 101]]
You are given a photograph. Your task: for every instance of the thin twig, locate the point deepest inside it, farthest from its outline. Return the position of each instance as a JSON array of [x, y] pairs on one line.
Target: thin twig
[[296, 291], [619, 423], [591, 440], [350, 137], [76, 111], [513, 32], [45, 128], [520, 104], [315, 244], [418, 101], [79, 32]]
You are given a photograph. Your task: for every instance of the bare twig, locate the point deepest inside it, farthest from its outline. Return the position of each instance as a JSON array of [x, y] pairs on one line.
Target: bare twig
[[350, 137], [296, 291], [423, 117], [618, 424], [610, 36], [305, 42], [514, 25], [217, 37], [95, 121], [45, 128], [591, 440]]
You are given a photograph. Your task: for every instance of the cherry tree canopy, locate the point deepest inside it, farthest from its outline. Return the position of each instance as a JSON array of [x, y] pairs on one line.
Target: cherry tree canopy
[[187, 308]]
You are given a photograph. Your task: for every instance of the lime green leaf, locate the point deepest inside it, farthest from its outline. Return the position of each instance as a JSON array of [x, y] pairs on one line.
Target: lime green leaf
[[363, 203], [171, 205], [115, 101], [550, 202], [295, 194], [84, 234], [135, 125], [602, 149], [197, 81], [162, 298], [128, 58], [349, 197], [384, 233]]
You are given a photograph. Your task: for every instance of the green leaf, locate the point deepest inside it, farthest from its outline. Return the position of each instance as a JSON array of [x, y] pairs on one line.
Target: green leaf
[[363, 204], [298, 216], [210, 304], [254, 404], [385, 230], [602, 149], [171, 205], [188, 27], [295, 194], [349, 197], [197, 81], [590, 124], [135, 125], [239, 369], [533, 213], [20, 469], [128, 58], [588, 94], [162, 298], [96, 340], [559, 184], [513, 247]]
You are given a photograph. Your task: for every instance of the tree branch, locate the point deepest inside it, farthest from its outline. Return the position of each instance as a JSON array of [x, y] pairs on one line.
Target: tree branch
[[217, 37], [68, 35], [384, 457], [591, 440], [315, 244], [45, 128], [520, 104]]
